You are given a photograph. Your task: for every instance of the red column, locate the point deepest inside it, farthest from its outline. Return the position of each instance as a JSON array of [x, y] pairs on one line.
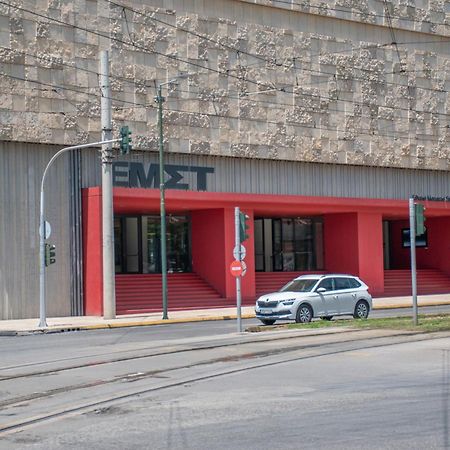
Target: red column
[[213, 241], [92, 251], [354, 245], [208, 247]]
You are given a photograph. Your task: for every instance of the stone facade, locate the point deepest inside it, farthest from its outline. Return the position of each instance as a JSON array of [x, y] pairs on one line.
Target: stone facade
[[337, 90]]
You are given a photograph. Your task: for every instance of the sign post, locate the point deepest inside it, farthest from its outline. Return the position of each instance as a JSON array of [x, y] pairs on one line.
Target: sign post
[[238, 277], [412, 238]]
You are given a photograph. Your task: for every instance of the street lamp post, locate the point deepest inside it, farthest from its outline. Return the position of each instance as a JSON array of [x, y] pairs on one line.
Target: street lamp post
[[160, 100], [42, 237]]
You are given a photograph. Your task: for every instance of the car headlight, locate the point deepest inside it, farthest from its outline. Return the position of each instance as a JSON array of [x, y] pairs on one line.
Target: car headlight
[[289, 302]]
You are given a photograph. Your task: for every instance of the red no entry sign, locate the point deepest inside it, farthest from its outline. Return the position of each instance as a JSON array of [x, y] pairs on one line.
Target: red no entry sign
[[236, 268]]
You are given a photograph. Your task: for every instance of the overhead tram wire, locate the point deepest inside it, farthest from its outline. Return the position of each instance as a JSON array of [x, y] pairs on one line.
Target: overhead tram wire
[[312, 84], [362, 13], [260, 57], [253, 100], [145, 50], [211, 99], [137, 85], [295, 124]]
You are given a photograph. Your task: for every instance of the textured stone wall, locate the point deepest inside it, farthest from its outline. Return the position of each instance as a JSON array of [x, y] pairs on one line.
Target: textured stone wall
[[336, 91], [426, 16]]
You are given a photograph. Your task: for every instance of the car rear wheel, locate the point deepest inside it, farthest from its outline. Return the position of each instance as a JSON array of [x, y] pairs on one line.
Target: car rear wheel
[[361, 310], [267, 321], [304, 314], [327, 317]]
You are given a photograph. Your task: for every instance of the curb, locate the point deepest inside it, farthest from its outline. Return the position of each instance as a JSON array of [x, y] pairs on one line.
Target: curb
[[146, 323], [104, 326]]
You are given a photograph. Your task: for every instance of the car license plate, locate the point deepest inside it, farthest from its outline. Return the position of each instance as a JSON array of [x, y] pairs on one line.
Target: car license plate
[[266, 311]]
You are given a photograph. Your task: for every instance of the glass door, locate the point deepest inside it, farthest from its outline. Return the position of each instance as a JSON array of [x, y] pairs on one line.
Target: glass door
[[177, 244], [127, 244]]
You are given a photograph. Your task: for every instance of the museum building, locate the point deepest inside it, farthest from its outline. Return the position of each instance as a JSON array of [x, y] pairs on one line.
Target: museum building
[[319, 122]]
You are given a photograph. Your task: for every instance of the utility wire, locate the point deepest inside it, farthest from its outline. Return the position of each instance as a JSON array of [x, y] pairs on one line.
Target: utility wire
[[372, 134]]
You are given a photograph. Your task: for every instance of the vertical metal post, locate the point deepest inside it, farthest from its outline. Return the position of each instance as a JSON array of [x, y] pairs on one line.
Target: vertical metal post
[[237, 242], [412, 239], [109, 290], [160, 100], [42, 305]]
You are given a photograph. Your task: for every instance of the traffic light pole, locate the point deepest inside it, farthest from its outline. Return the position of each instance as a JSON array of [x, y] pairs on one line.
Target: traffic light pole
[[412, 241], [42, 299], [237, 242]]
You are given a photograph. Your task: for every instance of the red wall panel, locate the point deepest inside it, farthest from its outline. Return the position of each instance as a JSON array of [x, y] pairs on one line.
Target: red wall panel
[[354, 244], [92, 252], [208, 247]]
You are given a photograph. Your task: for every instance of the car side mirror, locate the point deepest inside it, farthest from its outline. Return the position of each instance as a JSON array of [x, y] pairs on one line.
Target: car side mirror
[[320, 290]]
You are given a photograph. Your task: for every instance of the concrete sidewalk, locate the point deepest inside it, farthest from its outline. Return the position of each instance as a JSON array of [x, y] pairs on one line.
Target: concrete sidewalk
[[61, 324]]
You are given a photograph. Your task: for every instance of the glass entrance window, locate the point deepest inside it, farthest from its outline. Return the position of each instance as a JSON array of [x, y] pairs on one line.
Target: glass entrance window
[[292, 244], [138, 244]]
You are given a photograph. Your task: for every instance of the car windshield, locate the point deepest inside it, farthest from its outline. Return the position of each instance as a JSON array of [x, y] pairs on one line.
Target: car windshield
[[304, 285]]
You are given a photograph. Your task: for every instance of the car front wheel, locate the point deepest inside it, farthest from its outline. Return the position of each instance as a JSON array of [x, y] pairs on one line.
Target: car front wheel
[[361, 310], [267, 321], [304, 314]]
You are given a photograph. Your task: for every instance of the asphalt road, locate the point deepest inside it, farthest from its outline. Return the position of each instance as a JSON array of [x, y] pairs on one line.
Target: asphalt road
[[26, 347], [203, 386], [357, 390]]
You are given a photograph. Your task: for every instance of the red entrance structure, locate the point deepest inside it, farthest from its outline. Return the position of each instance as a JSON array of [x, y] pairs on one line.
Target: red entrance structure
[[352, 240]]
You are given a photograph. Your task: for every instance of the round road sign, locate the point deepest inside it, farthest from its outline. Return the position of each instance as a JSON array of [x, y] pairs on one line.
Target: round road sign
[[236, 268], [238, 249]]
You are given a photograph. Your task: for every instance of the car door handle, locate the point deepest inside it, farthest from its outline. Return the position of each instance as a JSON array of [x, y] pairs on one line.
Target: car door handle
[[335, 296], [354, 295]]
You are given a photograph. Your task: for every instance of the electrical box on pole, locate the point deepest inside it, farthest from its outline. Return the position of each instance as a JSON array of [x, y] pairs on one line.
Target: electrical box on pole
[[420, 219], [125, 140]]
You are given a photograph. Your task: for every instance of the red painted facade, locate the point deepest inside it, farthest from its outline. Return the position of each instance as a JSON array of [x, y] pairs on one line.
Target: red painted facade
[[353, 234]]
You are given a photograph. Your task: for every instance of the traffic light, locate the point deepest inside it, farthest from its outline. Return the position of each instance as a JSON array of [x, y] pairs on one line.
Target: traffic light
[[50, 254], [243, 227], [420, 219], [125, 140]]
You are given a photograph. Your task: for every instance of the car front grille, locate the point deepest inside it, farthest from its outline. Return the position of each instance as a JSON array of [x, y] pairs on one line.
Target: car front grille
[[267, 304]]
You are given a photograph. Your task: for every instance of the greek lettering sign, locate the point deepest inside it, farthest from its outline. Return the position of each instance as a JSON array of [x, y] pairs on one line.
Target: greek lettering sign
[[136, 174]]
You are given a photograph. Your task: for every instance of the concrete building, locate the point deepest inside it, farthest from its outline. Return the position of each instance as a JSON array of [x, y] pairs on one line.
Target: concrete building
[[318, 119]]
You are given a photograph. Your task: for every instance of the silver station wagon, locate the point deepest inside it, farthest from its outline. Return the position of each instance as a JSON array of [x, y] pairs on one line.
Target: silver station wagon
[[310, 296]]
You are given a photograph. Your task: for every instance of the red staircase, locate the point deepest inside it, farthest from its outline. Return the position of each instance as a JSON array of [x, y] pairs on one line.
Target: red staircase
[[267, 282], [141, 293], [429, 281]]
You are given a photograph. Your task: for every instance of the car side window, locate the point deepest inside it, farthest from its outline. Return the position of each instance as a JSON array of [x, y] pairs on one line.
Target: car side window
[[354, 283], [342, 283], [327, 284]]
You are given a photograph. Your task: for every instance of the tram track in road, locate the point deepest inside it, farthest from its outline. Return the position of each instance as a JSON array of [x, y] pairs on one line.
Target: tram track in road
[[174, 348], [176, 376]]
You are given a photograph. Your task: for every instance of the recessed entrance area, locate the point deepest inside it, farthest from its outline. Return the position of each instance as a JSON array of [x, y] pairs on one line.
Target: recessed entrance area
[[288, 244], [138, 244]]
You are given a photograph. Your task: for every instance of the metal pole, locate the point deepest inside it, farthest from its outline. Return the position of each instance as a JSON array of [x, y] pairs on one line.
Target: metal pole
[[109, 290], [237, 242], [412, 239], [42, 306], [160, 100], [42, 299]]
